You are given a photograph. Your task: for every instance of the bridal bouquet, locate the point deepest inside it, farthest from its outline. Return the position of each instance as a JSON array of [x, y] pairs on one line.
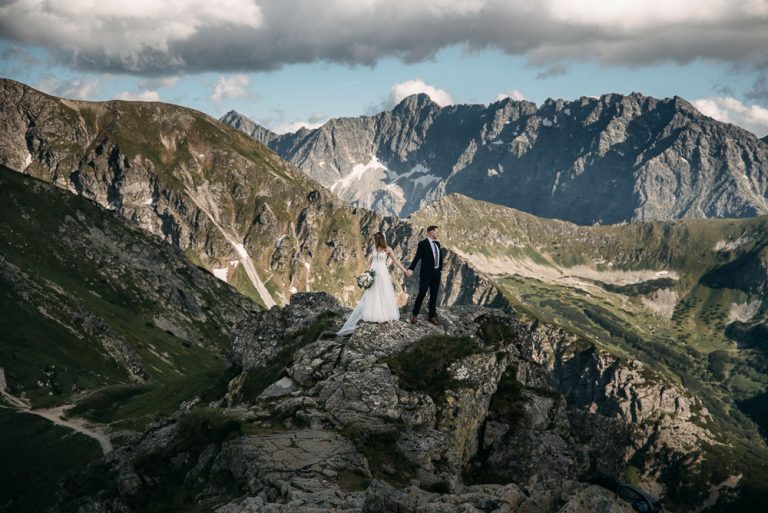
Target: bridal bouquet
[[365, 280]]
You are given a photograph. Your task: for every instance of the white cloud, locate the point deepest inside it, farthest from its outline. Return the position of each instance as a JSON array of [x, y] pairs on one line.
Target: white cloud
[[119, 35], [402, 90], [142, 96], [284, 128], [730, 110], [156, 83], [514, 94], [165, 37], [234, 86], [648, 14], [80, 89]]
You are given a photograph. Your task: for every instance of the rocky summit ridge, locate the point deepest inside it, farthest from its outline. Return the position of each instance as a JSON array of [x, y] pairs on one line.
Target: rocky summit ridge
[[592, 160], [487, 412]]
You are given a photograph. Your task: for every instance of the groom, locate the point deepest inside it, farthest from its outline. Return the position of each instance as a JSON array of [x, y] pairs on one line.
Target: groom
[[431, 256]]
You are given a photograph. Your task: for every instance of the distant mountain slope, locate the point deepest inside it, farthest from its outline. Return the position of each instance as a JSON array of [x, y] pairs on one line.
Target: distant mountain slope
[[245, 125], [606, 160], [702, 276], [688, 297], [231, 204], [89, 303]]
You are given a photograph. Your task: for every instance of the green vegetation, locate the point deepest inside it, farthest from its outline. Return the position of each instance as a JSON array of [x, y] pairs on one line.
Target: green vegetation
[[169, 488], [424, 366], [35, 455], [48, 372], [384, 458], [496, 332], [62, 305], [687, 487], [632, 475], [135, 406], [756, 408]]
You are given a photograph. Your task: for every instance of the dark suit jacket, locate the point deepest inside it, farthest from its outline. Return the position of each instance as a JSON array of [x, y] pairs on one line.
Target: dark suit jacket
[[427, 258]]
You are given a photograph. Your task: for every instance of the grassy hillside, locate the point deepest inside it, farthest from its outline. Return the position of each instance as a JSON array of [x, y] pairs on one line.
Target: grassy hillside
[[100, 314], [689, 298], [35, 455], [89, 301], [230, 203]]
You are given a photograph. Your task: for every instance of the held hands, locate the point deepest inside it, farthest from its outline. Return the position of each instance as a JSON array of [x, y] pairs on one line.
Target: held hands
[[409, 273]]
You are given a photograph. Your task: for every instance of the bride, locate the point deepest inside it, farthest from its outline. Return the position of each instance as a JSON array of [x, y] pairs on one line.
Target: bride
[[378, 303]]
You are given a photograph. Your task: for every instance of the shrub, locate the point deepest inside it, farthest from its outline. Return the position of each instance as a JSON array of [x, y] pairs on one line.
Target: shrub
[[424, 366]]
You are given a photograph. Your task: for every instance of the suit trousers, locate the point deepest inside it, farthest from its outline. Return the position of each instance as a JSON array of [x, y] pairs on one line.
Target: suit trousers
[[430, 283]]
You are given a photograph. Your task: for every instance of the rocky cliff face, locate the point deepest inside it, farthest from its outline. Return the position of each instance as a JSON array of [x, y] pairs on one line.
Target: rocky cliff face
[[592, 160], [486, 412], [242, 123], [230, 204]]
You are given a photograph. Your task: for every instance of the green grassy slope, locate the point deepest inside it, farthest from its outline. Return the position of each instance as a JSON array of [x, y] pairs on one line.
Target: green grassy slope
[[76, 279], [689, 298], [100, 314], [35, 455]]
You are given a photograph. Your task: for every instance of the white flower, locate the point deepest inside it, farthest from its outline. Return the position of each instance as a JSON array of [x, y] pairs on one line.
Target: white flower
[[365, 280]]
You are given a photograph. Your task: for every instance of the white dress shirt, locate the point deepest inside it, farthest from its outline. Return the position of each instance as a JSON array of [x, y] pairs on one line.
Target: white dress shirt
[[435, 252]]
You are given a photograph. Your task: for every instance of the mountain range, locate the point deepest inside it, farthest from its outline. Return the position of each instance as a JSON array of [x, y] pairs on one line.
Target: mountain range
[[206, 399], [593, 160], [121, 223], [232, 205]]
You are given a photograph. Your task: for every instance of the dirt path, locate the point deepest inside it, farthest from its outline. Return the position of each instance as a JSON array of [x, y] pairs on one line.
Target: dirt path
[[56, 415]]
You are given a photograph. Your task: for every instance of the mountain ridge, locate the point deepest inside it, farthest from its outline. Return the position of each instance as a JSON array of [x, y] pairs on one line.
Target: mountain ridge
[[577, 349], [593, 160], [229, 202]]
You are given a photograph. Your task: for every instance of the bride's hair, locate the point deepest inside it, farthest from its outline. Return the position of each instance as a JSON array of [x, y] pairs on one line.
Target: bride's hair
[[378, 241]]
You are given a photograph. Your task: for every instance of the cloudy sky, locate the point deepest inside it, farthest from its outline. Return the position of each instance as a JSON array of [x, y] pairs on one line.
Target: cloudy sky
[[288, 63]]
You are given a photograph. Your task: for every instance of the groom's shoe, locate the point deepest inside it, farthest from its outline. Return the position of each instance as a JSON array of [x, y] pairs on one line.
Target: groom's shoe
[[413, 319], [433, 320]]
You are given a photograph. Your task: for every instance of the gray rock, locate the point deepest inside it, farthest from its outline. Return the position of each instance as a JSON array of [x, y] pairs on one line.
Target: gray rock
[[280, 388], [591, 160], [348, 421]]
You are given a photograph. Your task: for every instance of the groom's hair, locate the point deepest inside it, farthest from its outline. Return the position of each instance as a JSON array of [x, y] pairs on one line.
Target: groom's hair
[[431, 228]]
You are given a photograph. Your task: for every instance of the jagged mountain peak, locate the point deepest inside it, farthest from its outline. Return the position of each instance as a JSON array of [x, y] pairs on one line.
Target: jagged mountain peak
[[234, 116], [249, 126], [415, 102], [591, 160], [233, 205]]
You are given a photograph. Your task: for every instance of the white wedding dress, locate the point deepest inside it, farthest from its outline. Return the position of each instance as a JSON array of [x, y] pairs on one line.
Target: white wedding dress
[[379, 303]]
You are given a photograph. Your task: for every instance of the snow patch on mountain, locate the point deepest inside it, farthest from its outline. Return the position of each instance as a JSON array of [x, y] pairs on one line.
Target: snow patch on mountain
[[358, 170]]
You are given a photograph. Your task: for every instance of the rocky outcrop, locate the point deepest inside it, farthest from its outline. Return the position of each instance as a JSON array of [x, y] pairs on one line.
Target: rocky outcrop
[[592, 160], [481, 413], [242, 123]]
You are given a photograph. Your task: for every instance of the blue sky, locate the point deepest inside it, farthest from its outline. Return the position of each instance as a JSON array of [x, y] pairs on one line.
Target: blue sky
[[287, 64]]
